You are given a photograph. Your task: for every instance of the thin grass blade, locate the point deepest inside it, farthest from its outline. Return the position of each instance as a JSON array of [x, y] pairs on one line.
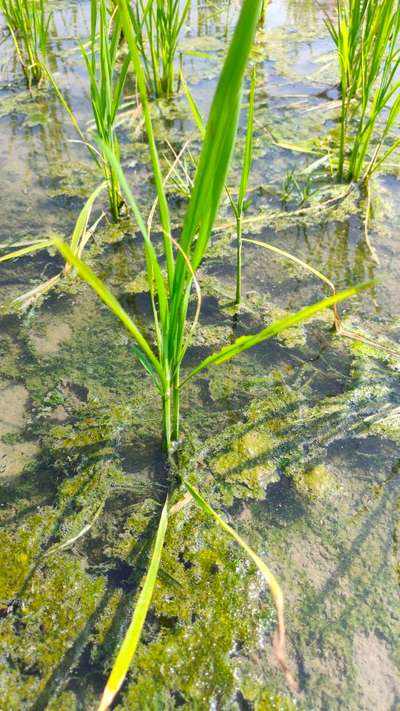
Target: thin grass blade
[[198, 119], [292, 258], [131, 639], [26, 250], [245, 342], [113, 304]]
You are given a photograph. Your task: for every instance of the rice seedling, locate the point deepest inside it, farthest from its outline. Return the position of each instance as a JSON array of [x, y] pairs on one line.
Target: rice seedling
[[28, 25], [105, 91], [158, 25], [296, 187], [288, 187], [171, 294], [366, 37]]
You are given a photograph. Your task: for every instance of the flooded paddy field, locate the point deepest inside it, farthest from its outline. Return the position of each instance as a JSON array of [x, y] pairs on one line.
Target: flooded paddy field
[[294, 442]]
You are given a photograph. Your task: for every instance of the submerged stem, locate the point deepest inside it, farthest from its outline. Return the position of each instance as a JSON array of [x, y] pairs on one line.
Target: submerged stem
[[239, 244]]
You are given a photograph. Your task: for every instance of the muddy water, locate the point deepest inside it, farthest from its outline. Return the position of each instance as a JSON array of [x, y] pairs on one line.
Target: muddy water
[[297, 441]]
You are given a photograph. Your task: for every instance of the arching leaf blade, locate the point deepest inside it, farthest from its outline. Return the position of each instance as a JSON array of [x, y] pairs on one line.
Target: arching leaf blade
[[275, 588], [109, 299], [245, 342]]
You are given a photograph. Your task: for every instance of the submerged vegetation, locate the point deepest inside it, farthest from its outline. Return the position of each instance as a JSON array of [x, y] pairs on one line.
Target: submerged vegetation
[[163, 541]]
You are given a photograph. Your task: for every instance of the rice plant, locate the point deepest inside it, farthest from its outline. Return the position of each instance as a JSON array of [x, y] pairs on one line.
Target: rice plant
[[106, 90], [171, 294], [366, 36], [171, 299], [107, 83], [158, 25], [28, 25]]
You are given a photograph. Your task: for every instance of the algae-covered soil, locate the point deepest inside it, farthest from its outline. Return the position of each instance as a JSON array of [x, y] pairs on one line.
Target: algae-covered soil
[[296, 442]]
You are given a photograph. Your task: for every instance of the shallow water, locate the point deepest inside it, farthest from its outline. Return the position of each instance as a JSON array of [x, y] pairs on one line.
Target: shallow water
[[297, 440]]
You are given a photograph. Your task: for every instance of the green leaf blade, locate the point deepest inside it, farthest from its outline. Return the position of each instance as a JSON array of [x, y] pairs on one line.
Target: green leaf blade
[[113, 304], [245, 342], [275, 588], [131, 639], [214, 161]]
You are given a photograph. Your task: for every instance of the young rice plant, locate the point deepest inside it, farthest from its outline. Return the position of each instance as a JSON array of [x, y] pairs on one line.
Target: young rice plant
[[28, 25], [157, 25], [107, 82], [106, 91], [366, 37], [171, 293]]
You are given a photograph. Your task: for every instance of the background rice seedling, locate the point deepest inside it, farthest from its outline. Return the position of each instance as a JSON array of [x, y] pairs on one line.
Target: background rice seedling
[[158, 25], [106, 88], [366, 35], [107, 76], [28, 24]]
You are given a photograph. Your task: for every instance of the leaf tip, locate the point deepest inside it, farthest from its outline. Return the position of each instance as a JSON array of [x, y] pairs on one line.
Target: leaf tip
[[106, 699]]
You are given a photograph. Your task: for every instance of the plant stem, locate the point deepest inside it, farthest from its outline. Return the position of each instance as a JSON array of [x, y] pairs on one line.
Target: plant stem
[[166, 412], [176, 406], [342, 136], [239, 243]]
